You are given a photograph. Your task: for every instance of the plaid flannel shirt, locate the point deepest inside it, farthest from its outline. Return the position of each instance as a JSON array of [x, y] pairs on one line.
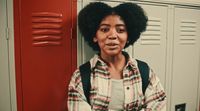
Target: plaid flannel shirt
[[154, 98]]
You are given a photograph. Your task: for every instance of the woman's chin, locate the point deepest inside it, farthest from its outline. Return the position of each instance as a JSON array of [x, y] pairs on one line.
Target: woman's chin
[[113, 52]]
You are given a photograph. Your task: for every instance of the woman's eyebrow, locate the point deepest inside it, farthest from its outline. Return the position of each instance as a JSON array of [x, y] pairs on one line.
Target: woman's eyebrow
[[118, 25], [104, 25]]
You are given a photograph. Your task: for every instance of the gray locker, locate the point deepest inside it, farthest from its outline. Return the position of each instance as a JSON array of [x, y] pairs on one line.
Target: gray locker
[[186, 47], [5, 103]]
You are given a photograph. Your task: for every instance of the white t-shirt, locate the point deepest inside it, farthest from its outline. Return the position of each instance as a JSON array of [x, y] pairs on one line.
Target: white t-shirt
[[117, 95]]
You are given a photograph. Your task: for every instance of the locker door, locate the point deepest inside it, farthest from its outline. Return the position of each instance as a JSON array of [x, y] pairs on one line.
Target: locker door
[[44, 58], [186, 58], [152, 44], [5, 103]]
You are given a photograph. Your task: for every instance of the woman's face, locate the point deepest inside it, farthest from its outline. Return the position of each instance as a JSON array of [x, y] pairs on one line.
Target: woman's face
[[111, 35]]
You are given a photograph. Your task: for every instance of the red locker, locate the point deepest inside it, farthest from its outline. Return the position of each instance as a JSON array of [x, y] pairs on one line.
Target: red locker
[[45, 52]]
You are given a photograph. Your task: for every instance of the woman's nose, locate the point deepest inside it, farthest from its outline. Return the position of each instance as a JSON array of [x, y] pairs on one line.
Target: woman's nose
[[113, 34]]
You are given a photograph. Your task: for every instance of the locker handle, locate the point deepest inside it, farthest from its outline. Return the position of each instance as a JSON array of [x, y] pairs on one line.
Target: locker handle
[[7, 33]]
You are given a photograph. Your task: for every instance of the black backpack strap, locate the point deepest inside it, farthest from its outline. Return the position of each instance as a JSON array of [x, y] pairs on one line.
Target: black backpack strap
[[85, 71], [144, 71]]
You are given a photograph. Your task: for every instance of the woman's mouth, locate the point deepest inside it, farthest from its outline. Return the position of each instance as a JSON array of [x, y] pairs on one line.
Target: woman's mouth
[[112, 45]]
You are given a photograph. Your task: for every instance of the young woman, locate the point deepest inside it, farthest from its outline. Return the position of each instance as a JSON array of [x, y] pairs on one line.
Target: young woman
[[116, 82]]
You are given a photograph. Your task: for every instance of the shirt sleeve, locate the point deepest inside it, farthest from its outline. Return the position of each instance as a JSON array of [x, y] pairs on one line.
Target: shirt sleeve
[[76, 100], [155, 97]]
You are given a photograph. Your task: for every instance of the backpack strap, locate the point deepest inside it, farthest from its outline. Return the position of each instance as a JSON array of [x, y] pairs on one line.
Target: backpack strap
[[144, 71], [85, 71]]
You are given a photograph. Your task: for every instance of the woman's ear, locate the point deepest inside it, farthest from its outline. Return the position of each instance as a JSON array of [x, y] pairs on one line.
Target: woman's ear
[[94, 39]]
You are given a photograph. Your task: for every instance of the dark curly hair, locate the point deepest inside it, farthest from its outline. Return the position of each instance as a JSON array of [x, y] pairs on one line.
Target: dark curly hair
[[90, 17]]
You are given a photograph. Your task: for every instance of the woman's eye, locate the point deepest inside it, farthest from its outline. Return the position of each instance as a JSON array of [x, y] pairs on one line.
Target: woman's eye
[[121, 30], [104, 29]]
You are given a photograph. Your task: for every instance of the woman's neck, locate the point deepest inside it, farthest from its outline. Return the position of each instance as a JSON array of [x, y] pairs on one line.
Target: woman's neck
[[115, 59], [115, 64]]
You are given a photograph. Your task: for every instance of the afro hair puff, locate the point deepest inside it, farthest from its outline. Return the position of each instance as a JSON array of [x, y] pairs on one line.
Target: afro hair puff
[[91, 15]]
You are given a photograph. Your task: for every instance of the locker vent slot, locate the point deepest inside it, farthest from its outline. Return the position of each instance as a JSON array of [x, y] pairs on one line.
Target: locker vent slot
[[188, 32], [46, 29], [152, 35]]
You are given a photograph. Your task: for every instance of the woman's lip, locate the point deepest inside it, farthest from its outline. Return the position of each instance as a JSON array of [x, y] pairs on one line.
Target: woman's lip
[[111, 44]]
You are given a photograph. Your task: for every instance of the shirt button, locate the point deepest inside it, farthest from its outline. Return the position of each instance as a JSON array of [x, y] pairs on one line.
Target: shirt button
[[127, 88]]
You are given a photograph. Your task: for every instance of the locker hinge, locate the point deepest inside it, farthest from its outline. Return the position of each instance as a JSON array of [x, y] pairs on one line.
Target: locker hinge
[[7, 33]]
